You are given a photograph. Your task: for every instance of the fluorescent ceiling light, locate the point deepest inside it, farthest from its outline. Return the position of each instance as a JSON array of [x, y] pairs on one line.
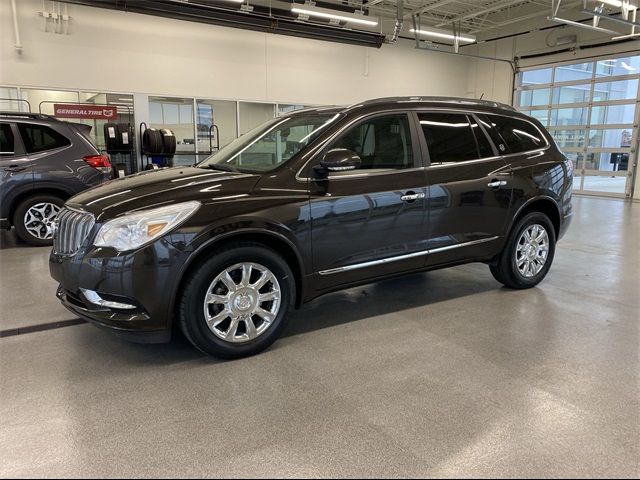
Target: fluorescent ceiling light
[[618, 3], [314, 11], [431, 32]]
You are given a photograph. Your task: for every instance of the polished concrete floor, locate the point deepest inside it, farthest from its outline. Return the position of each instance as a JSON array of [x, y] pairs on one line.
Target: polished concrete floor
[[441, 374]]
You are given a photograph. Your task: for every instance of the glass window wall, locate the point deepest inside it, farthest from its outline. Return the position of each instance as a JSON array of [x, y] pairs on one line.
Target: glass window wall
[[593, 116]]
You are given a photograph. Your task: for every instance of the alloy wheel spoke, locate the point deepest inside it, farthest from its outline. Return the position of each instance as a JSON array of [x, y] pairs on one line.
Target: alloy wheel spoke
[[265, 315], [262, 281], [268, 297], [250, 328], [246, 274], [218, 318], [228, 282], [214, 298], [233, 328]]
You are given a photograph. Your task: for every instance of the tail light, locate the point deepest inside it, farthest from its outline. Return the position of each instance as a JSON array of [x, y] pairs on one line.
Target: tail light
[[99, 162]]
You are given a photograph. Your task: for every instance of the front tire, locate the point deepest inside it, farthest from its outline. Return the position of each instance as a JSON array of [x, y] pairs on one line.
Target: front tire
[[528, 253], [34, 219], [237, 303]]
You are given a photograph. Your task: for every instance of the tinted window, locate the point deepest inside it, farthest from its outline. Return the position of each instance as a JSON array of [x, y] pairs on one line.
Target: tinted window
[[382, 142], [6, 139], [519, 135], [38, 138], [493, 133], [449, 137], [484, 147]]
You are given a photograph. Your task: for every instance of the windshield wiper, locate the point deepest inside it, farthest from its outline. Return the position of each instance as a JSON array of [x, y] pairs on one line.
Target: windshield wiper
[[221, 166]]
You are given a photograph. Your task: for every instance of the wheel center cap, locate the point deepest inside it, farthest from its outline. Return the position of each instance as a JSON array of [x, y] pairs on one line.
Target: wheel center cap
[[243, 302]]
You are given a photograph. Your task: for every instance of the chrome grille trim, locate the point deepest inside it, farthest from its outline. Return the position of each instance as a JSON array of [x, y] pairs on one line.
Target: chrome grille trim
[[72, 230]]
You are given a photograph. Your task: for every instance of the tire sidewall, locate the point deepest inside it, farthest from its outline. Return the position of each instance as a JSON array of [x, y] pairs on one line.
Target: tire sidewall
[[528, 220], [191, 309], [21, 210]]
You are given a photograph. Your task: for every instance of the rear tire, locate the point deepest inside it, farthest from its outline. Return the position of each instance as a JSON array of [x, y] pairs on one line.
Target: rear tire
[[33, 219], [221, 310], [528, 254]]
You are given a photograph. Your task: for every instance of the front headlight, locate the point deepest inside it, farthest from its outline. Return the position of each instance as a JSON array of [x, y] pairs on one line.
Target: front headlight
[[136, 229]]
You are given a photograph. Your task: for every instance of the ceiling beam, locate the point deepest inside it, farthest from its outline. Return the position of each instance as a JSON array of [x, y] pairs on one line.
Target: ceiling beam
[[468, 16], [428, 8], [522, 18]]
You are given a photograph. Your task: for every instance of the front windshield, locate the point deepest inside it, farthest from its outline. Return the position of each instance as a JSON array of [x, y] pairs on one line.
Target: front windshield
[[269, 145]]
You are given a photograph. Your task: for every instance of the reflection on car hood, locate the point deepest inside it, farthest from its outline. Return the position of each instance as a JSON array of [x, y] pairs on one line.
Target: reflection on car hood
[[161, 187]]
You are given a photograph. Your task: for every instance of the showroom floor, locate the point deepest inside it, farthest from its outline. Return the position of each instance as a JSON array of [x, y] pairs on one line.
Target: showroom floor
[[438, 374]]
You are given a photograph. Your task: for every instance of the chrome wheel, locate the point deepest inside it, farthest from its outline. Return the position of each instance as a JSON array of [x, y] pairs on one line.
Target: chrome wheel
[[242, 302], [532, 250], [40, 219]]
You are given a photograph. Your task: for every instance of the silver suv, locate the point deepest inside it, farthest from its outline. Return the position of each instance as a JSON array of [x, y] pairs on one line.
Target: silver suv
[[43, 162]]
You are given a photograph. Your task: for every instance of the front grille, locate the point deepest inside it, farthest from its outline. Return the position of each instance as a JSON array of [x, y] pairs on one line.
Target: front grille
[[73, 229]]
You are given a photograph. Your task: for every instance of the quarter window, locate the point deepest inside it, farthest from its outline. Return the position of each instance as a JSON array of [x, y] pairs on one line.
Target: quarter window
[[449, 137], [6, 139], [381, 142], [38, 138], [519, 135]]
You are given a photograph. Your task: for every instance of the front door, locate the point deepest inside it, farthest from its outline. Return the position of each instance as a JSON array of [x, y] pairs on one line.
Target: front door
[[16, 172], [469, 188], [371, 221]]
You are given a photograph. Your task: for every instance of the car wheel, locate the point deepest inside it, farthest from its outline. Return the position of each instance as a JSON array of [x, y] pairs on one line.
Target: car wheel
[[237, 302], [528, 254], [34, 219]]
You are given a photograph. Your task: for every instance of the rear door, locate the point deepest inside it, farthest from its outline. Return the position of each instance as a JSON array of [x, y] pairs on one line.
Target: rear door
[[469, 186], [16, 173]]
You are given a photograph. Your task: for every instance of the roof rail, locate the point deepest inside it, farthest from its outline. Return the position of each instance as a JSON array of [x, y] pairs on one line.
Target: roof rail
[[450, 100], [38, 116]]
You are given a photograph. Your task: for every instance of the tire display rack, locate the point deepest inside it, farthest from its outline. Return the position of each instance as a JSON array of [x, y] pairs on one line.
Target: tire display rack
[[122, 158], [158, 146]]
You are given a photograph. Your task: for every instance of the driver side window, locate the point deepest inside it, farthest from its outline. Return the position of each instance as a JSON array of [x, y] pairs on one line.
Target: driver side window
[[382, 143]]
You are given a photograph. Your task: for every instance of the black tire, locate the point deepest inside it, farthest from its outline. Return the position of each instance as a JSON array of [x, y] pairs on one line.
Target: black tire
[[152, 142], [168, 141], [504, 268], [191, 302], [125, 131], [19, 216], [112, 137]]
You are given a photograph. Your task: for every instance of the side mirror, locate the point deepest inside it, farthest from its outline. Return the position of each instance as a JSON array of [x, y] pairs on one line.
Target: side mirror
[[339, 160]]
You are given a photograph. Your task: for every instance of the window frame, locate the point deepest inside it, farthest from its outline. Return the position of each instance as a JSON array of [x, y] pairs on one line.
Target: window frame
[[304, 173], [524, 152], [18, 148], [48, 150], [468, 115]]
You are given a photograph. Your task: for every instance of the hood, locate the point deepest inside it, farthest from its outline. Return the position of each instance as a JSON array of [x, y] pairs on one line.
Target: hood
[[160, 187]]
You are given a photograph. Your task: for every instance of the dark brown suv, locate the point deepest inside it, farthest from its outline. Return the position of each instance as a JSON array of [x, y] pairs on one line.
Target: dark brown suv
[[308, 203]]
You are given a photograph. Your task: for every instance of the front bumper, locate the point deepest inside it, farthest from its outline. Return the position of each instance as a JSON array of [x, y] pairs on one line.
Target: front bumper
[[146, 278]]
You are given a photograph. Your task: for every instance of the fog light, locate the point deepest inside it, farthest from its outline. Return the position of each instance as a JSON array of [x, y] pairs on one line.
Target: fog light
[[96, 299]]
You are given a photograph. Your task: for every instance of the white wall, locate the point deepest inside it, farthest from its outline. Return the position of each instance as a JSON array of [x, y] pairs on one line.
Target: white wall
[[124, 52]]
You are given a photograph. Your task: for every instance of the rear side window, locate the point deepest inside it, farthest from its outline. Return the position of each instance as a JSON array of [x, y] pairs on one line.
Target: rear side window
[[6, 139], [519, 135], [449, 137], [39, 138]]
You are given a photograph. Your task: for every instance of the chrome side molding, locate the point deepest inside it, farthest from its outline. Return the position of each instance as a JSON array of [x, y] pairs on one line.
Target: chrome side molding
[[406, 256]]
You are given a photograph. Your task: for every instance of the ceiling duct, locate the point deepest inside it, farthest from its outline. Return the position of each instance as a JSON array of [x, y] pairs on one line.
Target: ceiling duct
[[261, 19]]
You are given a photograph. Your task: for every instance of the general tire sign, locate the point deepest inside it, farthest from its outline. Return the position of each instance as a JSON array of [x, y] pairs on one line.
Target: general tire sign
[[96, 112]]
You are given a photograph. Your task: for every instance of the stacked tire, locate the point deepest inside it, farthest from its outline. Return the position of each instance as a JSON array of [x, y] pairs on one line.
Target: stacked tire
[[159, 145], [119, 141]]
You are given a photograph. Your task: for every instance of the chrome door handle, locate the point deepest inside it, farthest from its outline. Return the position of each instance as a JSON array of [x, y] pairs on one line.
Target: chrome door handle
[[497, 183], [411, 197]]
